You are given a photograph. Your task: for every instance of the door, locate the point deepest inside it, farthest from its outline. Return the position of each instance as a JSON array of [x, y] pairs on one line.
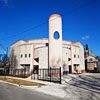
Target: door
[[70, 70]]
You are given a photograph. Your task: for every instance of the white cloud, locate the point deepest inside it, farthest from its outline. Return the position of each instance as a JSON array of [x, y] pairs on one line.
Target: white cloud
[[7, 3], [85, 37]]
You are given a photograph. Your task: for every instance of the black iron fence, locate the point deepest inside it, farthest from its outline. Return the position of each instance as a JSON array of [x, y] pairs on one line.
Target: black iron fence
[[2, 71], [45, 74], [19, 73], [51, 74]]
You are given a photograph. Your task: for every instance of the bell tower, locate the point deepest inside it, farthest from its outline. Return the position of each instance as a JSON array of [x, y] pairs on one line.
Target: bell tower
[[55, 41]]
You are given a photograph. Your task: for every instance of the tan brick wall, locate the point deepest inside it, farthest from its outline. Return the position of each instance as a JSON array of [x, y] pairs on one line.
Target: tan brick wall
[[91, 65]]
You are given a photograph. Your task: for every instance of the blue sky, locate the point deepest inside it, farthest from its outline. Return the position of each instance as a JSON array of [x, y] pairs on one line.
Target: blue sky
[[82, 25]]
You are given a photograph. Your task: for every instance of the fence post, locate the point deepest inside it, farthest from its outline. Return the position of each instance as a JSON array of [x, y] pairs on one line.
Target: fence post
[[13, 72], [50, 74], [37, 74], [43, 74], [34, 76], [60, 75], [31, 74], [24, 72]]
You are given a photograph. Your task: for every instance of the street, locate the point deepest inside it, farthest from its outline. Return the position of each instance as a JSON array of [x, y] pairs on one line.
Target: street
[[86, 87], [10, 92]]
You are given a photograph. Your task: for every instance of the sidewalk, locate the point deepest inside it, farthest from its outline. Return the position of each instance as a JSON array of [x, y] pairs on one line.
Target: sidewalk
[[69, 77], [77, 90], [55, 89], [50, 88]]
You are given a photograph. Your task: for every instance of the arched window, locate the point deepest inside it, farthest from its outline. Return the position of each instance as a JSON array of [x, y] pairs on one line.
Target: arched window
[[90, 59], [56, 35]]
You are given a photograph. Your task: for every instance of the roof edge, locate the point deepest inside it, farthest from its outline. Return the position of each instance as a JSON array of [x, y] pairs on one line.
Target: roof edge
[[17, 41], [45, 39]]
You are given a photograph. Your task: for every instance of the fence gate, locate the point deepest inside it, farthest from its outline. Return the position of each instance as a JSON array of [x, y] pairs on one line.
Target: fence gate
[[51, 74]]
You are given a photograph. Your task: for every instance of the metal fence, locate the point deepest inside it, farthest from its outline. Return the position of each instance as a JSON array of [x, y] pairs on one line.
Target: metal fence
[[18, 73], [2, 71], [51, 74]]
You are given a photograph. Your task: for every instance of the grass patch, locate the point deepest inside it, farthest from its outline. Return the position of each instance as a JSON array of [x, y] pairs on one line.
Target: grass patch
[[21, 82]]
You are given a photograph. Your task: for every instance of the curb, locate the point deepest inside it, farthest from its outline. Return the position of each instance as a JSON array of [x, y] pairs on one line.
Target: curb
[[10, 83], [68, 80]]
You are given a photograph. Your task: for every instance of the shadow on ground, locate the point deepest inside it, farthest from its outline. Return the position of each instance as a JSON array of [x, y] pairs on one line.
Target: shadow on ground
[[84, 88]]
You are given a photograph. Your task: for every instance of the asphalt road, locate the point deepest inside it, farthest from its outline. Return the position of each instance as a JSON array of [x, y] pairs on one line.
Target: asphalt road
[[10, 92], [86, 87]]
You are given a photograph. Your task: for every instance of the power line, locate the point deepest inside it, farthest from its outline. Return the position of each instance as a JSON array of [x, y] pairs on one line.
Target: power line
[[3, 47], [64, 14], [32, 28], [83, 6]]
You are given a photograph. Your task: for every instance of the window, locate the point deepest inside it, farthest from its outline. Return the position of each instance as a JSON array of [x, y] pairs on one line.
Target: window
[[74, 67], [74, 56], [36, 59], [36, 69], [25, 55], [90, 59], [46, 44], [56, 35], [21, 56], [29, 55], [69, 59]]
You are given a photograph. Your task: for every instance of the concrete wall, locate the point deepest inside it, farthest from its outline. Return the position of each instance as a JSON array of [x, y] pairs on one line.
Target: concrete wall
[[81, 54], [98, 68], [66, 55], [91, 59], [42, 54], [77, 56], [55, 45], [39, 49], [28, 50], [51, 52], [15, 54], [91, 65]]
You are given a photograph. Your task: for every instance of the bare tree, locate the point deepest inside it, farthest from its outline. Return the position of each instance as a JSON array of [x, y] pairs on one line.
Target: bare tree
[[13, 59]]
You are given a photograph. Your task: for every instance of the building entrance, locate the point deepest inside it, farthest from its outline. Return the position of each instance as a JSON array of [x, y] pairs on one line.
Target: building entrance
[[70, 70]]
